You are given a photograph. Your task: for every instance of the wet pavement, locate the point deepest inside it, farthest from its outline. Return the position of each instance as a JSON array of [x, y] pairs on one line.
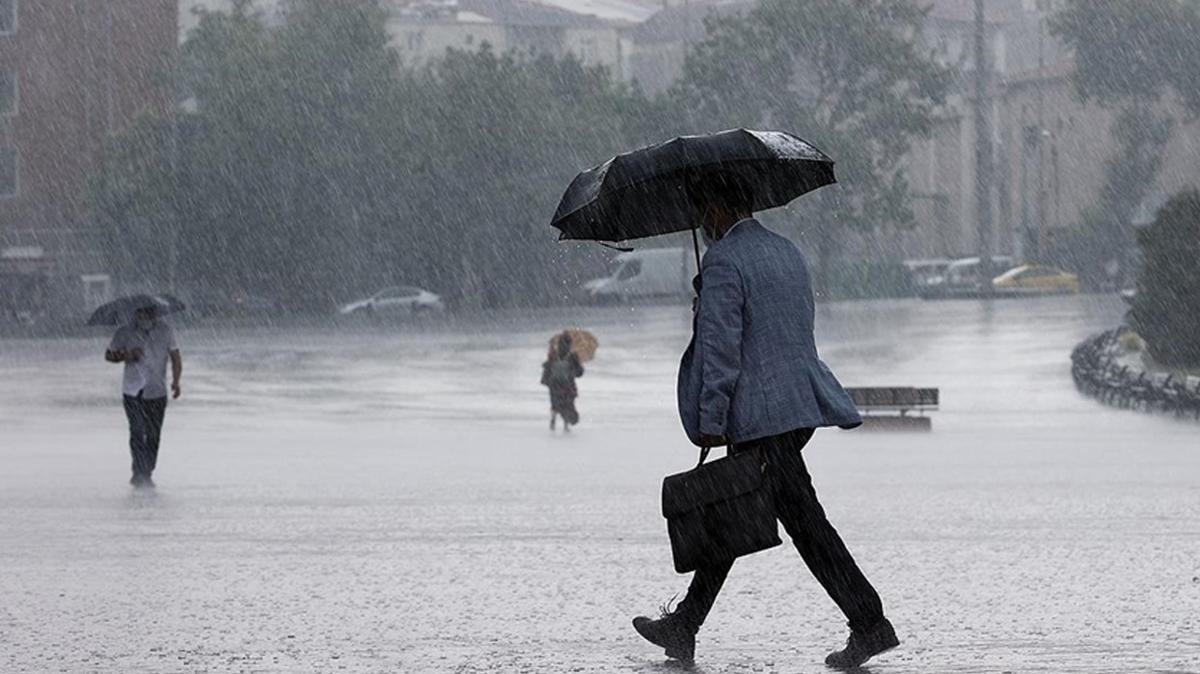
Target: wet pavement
[[389, 499]]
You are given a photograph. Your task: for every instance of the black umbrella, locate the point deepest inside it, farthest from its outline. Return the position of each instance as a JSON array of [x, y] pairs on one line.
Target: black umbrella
[[642, 193], [121, 310]]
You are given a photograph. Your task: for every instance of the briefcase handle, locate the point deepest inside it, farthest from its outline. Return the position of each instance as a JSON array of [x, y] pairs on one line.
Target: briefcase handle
[[704, 454]]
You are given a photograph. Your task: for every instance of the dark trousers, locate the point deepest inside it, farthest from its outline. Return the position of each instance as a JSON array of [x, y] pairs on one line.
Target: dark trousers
[[803, 518], [562, 401], [145, 426]]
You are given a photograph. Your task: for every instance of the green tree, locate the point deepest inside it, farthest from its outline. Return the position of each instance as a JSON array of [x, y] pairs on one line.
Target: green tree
[[342, 97], [1130, 55], [503, 136], [1166, 309], [316, 166], [849, 75], [1132, 50], [134, 203], [1106, 234]]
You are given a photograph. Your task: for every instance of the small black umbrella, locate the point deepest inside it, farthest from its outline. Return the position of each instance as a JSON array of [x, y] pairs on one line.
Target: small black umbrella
[[642, 193], [121, 310]]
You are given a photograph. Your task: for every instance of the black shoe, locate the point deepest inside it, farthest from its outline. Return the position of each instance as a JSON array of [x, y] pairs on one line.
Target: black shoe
[[140, 481], [862, 646], [676, 639]]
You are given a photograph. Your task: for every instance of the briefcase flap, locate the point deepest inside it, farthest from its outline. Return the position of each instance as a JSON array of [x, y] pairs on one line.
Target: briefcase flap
[[712, 482]]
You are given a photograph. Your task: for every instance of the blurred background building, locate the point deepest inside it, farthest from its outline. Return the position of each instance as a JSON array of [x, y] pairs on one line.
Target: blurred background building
[[72, 73], [1049, 147]]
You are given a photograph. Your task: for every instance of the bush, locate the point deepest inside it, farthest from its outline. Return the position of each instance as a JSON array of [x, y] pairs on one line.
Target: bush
[[1166, 310]]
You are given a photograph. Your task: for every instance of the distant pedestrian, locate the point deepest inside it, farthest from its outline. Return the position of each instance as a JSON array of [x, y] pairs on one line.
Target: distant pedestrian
[[559, 372], [145, 346]]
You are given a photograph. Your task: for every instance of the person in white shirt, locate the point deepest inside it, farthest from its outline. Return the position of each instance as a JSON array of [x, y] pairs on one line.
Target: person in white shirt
[[144, 346]]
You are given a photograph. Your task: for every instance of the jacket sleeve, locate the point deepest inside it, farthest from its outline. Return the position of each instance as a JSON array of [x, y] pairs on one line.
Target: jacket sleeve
[[576, 366], [719, 333]]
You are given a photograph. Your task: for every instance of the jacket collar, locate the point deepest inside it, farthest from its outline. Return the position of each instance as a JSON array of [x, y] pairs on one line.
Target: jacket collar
[[739, 226]]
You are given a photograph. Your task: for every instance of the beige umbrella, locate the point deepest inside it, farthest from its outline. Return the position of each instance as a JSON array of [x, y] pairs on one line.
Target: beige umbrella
[[583, 343]]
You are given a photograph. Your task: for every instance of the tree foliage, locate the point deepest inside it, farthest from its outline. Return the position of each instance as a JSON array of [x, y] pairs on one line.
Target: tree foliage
[[1166, 309], [1130, 172], [1130, 55], [507, 134], [1133, 50], [849, 75], [315, 166]]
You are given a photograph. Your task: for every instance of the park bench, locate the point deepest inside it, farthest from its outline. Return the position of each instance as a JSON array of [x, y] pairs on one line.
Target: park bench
[[889, 407]]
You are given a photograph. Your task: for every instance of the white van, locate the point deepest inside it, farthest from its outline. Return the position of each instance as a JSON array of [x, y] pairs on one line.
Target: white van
[[645, 274], [962, 278]]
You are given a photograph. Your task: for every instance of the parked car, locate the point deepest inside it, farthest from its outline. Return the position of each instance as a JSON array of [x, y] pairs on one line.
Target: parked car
[[1030, 279], [962, 278], [644, 274], [926, 274], [395, 301]]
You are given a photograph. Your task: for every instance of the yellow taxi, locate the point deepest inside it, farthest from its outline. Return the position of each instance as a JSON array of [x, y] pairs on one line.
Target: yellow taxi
[[1032, 279]]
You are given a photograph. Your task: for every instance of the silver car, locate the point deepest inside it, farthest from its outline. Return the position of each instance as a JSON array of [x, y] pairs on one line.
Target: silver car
[[395, 301]]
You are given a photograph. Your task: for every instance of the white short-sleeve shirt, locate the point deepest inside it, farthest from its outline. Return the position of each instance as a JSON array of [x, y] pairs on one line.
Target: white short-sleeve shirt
[[147, 376]]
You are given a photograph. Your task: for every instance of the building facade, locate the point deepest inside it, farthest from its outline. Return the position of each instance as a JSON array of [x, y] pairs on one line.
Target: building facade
[[1049, 151], [657, 47], [72, 73], [423, 30]]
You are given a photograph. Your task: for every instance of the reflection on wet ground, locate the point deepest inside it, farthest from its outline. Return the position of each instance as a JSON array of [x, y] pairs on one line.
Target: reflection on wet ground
[[387, 498]]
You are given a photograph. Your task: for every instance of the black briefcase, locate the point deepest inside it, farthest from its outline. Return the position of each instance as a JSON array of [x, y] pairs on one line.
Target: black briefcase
[[719, 511]]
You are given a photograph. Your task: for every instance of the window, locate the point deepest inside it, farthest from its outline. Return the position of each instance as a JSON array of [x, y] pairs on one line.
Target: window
[[8, 16], [629, 270], [399, 292], [8, 93], [9, 164]]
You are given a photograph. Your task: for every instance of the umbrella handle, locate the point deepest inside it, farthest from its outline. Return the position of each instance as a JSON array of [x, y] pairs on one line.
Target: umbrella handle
[[696, 247]]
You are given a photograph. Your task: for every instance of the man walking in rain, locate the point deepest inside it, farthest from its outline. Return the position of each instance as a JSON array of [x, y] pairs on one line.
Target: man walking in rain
[[144, 346], [754, 382]]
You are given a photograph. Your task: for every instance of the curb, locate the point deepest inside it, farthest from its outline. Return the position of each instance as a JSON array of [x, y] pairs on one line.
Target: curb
[[1098, 376]]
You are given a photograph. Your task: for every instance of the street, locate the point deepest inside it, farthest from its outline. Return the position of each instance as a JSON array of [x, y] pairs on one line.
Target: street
[[390, 499]]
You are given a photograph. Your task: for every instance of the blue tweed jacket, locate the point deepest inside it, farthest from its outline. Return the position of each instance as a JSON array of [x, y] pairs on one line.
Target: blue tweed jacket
[[752, 369]]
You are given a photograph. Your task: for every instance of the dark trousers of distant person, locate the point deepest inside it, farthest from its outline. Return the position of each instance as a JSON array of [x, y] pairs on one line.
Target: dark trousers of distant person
[[145, 427], [803, 518], [562, 401]]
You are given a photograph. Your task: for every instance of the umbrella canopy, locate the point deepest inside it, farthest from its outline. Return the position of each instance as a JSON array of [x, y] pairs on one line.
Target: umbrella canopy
[[583, 343], [121, 310], [642, 193]]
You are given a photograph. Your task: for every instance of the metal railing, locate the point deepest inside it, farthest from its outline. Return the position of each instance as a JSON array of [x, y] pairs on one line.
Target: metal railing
[[1097, 374]]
